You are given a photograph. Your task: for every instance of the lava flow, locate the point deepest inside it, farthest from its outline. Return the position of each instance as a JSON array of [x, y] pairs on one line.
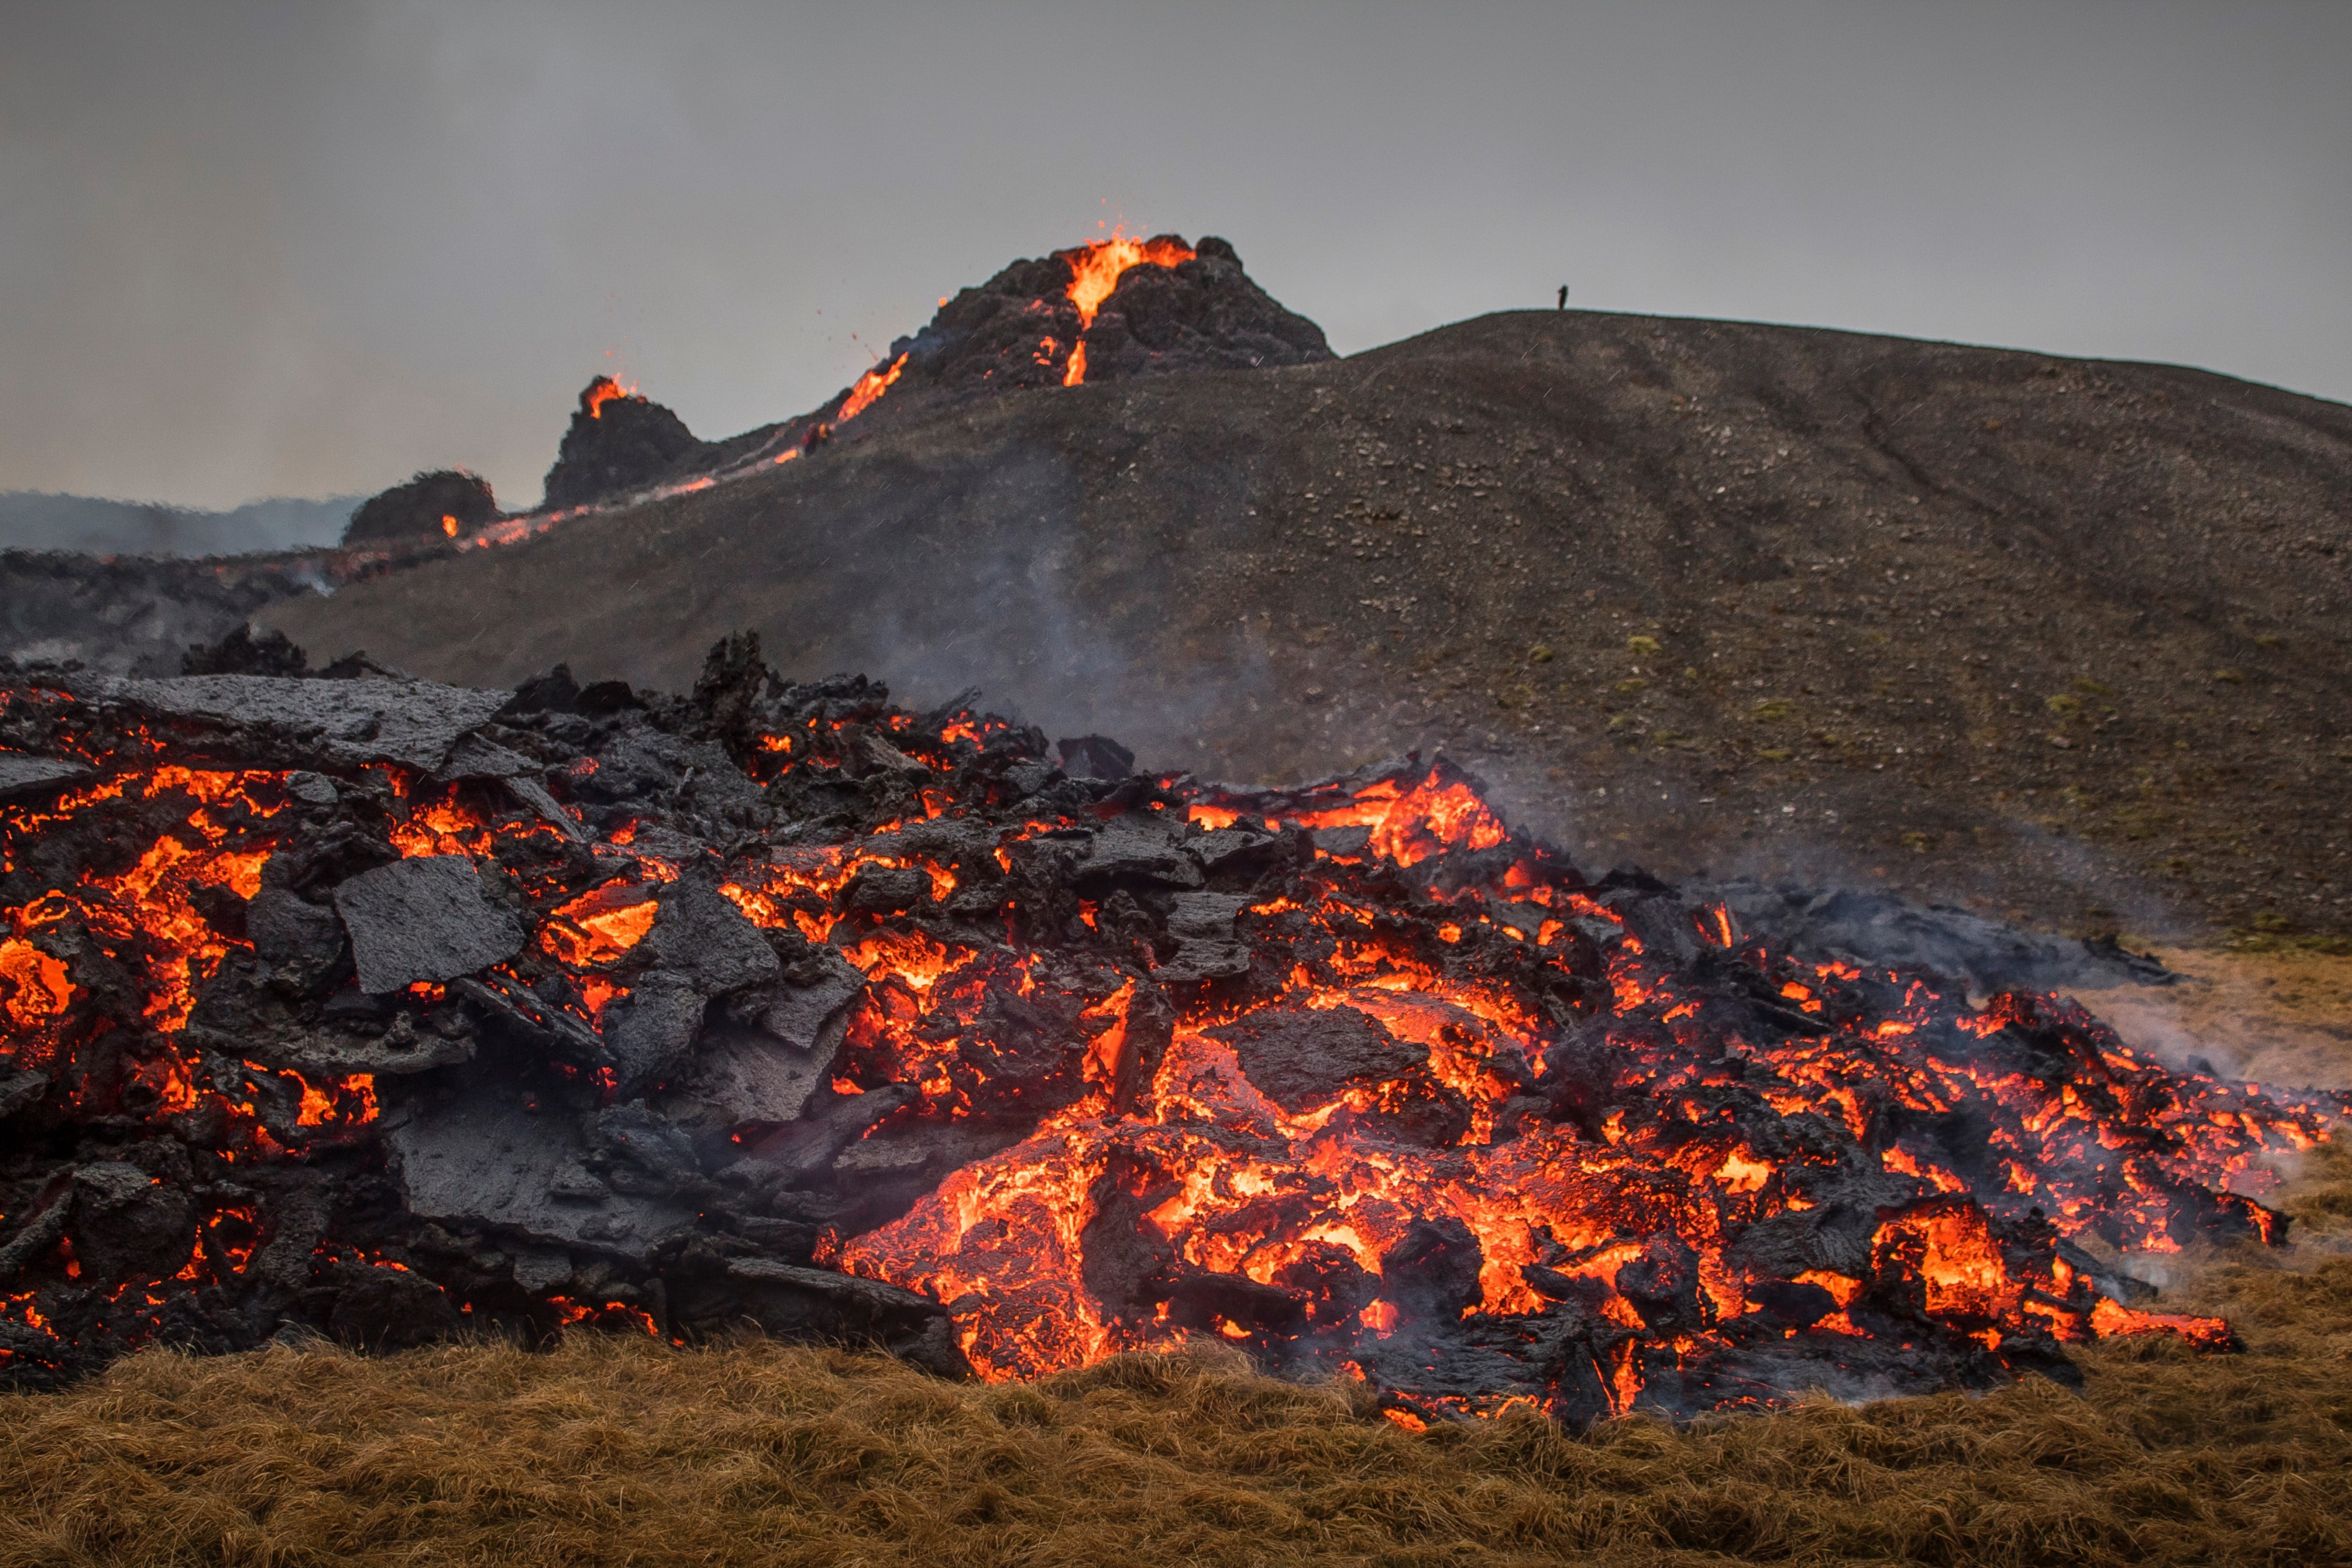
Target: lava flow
[[389, 1010], [870, 385], [600, 392], [1096, 269]]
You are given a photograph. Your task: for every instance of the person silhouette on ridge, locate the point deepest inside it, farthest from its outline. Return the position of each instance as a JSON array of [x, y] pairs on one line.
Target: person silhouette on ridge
[[1563, 296]]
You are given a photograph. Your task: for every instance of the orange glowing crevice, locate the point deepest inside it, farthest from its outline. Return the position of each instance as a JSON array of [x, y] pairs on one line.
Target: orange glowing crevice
[[599, 926], [605, 1314]]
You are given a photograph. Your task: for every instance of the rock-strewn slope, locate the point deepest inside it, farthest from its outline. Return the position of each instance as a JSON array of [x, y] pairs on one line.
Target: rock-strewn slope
[[2065, 637]]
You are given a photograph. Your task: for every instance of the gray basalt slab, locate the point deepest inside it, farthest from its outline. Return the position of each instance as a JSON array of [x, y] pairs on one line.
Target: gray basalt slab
[[702, 936], [805, 1009], [489, 1161], [23, 774], [1208, 944], [844, 1290], [415, 722], [754, 1077], [424, 919]]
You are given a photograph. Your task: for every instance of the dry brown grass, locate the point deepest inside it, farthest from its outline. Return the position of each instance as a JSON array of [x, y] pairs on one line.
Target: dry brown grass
[[2276, 1016], [616, 1451]]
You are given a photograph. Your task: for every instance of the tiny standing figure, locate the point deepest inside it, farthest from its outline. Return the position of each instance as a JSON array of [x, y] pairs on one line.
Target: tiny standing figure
[[1563, 296]]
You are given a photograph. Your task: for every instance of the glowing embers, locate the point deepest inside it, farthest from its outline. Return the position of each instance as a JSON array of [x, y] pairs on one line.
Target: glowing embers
[[148, 913], [2062, 1115], [1452, 1116], [1636, 1177], [1408, 822], [619, 1315]]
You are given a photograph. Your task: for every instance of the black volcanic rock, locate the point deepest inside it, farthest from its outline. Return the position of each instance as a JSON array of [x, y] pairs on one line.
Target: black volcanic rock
[[1203, 314], [618, 441], [243, 653], [417, 508], [1018, 328], [423, 919]]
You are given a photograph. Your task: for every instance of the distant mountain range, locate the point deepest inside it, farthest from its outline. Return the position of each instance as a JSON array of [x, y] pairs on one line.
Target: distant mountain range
[[33, 519]]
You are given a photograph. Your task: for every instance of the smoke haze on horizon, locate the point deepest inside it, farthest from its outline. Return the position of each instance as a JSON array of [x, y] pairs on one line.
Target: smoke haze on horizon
[[254, 250]]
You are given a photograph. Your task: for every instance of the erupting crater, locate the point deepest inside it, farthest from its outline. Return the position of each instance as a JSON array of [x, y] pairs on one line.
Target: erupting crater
[[384, 1008]]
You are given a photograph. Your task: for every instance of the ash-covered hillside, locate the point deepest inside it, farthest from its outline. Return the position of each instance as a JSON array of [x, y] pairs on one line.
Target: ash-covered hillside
[[2061, 637]]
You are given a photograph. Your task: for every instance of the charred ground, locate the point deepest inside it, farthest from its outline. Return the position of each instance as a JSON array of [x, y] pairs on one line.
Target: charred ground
[[2057, 636]]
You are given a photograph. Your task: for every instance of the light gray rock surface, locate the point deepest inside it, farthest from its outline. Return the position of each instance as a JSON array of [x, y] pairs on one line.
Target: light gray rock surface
[[699, 934], [1207, 944], [424, 919], [22, 775], [489, 1159], [415, 722], [820, 988], [755, 1078]]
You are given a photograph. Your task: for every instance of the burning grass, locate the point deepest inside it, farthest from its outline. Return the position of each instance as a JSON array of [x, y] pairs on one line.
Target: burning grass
[[616, 1450]]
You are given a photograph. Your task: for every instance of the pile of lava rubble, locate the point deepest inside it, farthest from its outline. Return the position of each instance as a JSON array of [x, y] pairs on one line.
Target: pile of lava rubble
[[365, 1006]]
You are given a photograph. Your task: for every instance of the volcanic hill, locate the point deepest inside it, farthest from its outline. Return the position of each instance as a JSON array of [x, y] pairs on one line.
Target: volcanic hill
[[2060, 637]]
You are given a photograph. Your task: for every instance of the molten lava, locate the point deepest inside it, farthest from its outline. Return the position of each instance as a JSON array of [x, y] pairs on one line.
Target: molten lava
[[600, 392], [1352, 1076], [1096, 269], [870, 387]]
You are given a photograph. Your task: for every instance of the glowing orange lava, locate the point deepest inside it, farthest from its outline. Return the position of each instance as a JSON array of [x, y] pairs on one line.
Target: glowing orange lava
[[870, 387], [1097, 266], [601, 391], [1096, 269], [1536, 1115]]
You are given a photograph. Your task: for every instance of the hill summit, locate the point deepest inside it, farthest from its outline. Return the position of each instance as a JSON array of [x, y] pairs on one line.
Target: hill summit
[[1110, 310]]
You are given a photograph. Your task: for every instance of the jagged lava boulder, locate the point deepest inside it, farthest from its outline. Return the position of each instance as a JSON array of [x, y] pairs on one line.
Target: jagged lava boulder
[[619, 441], [444, 502]]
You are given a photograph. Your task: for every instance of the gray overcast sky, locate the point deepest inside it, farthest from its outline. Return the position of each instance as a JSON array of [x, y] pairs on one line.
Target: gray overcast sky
[[251, 250]]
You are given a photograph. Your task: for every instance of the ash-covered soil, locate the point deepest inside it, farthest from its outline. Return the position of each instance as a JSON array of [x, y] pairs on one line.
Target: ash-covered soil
[[2065, 639]]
